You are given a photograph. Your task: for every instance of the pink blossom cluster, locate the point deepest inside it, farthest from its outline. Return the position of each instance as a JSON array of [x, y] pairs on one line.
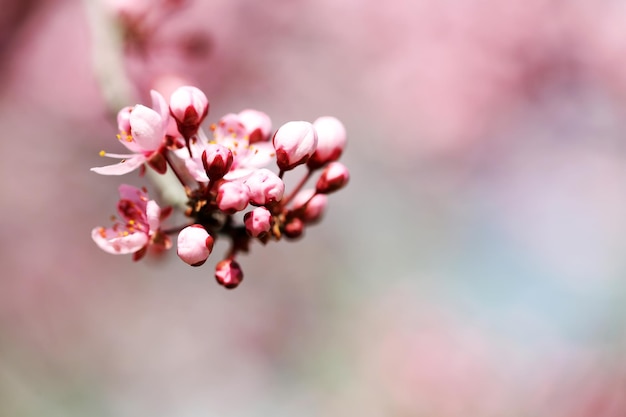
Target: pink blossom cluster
[[223, 173]]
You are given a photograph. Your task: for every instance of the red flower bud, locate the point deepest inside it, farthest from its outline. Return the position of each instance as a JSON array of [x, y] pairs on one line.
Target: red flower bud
[[228, 273]]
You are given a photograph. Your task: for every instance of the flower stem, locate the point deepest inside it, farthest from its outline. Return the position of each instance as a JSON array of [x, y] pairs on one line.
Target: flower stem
[[298, 187], [170, 162]]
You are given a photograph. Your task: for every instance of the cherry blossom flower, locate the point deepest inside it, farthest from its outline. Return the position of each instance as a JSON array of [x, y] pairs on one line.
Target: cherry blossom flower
[[231, 133], [137, 228], [142, 131], [219, 177]]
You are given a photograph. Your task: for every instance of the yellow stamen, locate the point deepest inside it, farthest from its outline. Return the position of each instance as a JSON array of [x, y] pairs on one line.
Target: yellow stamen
[[102, 153]]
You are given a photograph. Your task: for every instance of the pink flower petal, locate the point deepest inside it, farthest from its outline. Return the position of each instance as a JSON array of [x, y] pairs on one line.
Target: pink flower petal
[[153, 215], [132, 193], [123, 167], [160, 106], [118, 244], [135, 195], [259, 155], [147, 128]]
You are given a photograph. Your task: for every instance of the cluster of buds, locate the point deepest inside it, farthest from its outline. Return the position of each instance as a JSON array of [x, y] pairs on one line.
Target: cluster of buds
[[224, 173]]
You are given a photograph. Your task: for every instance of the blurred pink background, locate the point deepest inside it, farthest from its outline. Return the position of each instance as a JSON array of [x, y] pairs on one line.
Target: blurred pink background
[[474, 266]]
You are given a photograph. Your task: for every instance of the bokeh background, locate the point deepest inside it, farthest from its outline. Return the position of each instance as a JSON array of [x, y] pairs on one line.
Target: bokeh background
[[474, 266]]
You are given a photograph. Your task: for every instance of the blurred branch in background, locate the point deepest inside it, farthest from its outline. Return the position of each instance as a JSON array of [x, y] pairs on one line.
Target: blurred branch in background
[[14, 21]]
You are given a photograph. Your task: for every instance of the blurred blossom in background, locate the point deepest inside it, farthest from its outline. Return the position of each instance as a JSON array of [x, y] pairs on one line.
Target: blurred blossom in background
[[474, 266]]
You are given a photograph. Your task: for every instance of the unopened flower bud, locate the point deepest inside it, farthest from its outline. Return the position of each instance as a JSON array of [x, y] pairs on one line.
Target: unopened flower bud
[[257, 124], [228, 273], [194, 245], [217, 160], [294, 228], [265, 187], [315, 205], [334, 177], [232, 196], [294, 143], [258, 221], [189, 106], [331, 139]]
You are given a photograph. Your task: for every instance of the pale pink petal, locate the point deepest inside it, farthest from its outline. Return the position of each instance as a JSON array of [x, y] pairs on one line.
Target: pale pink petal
[[153, 215], [135, 195], [118, 244], [238, 174], [160, 106], [259, 155], [123, 119], [194, 165], [147, 128], [257, 124], [196, 169], [123, 167], [230, 132], [132, 193], [131, 144]]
